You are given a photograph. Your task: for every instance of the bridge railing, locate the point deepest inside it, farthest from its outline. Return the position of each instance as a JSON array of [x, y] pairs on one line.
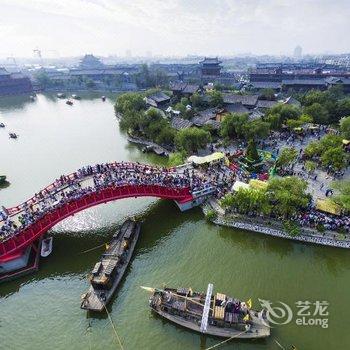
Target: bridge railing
[[73, 177]]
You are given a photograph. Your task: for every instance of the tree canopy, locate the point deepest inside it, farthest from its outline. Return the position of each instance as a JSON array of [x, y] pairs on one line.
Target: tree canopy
[[192, 139], [345, 127]]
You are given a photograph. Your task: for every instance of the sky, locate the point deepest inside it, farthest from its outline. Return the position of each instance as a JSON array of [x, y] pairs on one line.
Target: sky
[[172, 27]]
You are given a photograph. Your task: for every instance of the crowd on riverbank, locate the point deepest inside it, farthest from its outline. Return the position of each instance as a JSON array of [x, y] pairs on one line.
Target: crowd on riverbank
[[68, 188]]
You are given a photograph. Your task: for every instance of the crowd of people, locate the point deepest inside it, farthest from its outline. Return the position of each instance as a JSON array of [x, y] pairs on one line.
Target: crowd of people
[[316, 219], [91, 179]]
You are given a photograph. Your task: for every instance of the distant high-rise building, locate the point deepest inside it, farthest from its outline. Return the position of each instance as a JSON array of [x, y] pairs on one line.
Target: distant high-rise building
[[298, 51]]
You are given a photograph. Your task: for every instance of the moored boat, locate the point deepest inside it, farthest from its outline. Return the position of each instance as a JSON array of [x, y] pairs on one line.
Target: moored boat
[[103, 98], [2, 125], [46, 247], [217, 315], [108, 272], [76, 97], [69, 102], [2, 179], [13, 135], [61, 95]]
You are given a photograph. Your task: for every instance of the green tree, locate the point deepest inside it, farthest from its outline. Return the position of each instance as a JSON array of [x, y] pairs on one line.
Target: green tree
[[288, 195], [216, 99], [345, 127], [334, 157], [343, 196], [310, 166], [177, 158], [313, 149], [318, 112], [267, 94], [281, 112], [252, 152], [192, 139], [343, 108], [196, 100], [234, 125], [287, 156], [256, 129]]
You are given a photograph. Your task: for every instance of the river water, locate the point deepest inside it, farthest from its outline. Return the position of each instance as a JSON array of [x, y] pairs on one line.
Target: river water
[[176, 249]]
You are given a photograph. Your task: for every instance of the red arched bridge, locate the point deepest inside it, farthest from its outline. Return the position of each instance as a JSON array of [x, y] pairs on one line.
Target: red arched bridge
[[20, 226]]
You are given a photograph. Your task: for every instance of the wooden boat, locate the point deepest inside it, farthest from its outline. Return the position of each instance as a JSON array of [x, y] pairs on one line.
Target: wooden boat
[[46, 247], [217, 315], [108, 272], [69, 102]]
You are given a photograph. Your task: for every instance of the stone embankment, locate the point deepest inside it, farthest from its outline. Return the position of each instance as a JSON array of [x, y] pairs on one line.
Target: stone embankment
[[307, 235]]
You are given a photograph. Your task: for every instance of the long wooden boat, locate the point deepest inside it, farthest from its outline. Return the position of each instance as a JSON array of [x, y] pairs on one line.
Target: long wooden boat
[[108, 272], [217, 315]]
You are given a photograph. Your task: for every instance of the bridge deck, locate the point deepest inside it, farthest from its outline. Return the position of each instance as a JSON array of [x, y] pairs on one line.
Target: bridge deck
[[23, 224]]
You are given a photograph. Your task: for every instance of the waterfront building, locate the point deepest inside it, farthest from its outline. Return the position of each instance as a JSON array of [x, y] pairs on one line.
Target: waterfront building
[[14, 83], [159, 99]]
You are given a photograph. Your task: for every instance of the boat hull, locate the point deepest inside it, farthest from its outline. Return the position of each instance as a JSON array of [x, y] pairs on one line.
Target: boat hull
[[258, 330], [92, 300]]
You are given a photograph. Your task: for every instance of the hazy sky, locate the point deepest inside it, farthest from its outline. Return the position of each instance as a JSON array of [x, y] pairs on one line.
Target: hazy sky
[[173, 27]]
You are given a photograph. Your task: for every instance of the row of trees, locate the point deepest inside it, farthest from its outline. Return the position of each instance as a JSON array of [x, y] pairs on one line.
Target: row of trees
[[283, 197]]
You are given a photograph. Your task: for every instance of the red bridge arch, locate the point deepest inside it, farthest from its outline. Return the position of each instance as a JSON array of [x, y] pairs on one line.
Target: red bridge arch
[[12, 246]]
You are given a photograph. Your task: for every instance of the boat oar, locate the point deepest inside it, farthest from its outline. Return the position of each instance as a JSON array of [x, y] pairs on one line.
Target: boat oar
[[152, 290]]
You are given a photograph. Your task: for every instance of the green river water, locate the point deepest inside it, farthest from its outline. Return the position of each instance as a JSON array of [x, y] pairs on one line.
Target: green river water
[[42, 311]]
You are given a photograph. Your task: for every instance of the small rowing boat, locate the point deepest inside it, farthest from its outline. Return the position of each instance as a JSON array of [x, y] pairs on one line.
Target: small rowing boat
[[46, 247]]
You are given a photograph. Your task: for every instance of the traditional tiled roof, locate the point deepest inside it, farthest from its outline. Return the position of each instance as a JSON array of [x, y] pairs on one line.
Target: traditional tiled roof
[[315, 82], [180, 123], [204, 116], [265, 85], [184, 87], [190, 89], [236, 108], [177, 86], [210, 60], [246, 100], [266, 104], [159, 97], [292, 101], [255, 114]]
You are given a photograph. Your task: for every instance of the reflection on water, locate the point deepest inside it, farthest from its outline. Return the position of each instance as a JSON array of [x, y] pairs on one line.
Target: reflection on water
[[176, 249]]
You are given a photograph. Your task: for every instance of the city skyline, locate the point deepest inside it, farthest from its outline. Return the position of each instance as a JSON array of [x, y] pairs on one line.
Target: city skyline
[[172, 28]]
